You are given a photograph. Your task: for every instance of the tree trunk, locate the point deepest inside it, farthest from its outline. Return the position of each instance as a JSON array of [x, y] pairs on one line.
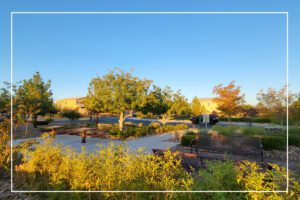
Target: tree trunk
[[97, 118], [34, 121], [229, 120], [121, 121]]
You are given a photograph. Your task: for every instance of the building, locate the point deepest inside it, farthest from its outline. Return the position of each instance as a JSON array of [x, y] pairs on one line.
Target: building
[[209, 104], [76, 103]]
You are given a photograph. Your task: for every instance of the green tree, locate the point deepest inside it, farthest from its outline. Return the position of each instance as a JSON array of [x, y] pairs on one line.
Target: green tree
[[33, 98], [97, 99], [180, 106], [118, 92], [196, 107], [275, 102], [156, 101], [229, 99], [294, 110], [4, 100]]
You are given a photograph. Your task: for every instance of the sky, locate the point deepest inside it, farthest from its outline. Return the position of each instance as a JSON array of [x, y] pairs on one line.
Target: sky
[[191, 52]]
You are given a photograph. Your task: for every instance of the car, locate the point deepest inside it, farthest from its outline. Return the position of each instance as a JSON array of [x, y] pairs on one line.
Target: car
[[213, 119]]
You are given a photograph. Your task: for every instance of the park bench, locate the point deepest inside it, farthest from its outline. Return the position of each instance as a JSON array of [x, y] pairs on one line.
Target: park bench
[[236, 145]]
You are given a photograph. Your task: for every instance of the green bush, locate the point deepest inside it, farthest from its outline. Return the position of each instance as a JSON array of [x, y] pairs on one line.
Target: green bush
[[154, 124], [294, 140], [241, 119], [104, 127], [144, 130], [273, 143], [251, 176], [218, 176], [262, 120], [186, 140], [253, 130], [130, 124], [226, 130], [294, 130], [190, 133], [71, 114]]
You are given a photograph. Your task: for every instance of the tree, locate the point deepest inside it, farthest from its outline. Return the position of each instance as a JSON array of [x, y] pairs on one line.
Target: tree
[[196, 107], [248, 111], [294, 110], [33, 98], [164, 103], [4, 100], [275, 102], [229, 99], [94, 101], [180, 105], [158, 102], [117, 92]]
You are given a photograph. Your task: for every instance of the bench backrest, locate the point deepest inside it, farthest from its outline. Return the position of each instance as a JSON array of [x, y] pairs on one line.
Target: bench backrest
[[230, 144]]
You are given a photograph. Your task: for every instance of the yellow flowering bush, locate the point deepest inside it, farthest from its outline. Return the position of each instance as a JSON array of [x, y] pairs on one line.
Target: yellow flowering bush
[[52, 167], [252, 177], [4, 148]]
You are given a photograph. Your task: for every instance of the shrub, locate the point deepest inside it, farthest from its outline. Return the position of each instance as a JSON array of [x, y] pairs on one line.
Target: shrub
[[218, 176], [71, 114], [262, 120], [140, 125], [274, 143], [226, 130], [242, 119], [294, 140], [154, 124], [52, 167], [252, 177], [253, 130], [190, 133], [186, 140], [294, 130], [4, 148], [104, 127], [130, 124]]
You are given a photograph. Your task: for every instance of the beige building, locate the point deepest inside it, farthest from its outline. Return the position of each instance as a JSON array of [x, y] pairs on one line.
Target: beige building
[[209, 104], [76, 103]]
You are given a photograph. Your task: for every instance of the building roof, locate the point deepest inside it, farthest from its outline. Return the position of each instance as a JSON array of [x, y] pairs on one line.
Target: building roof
[[70, 98], [206, 99]]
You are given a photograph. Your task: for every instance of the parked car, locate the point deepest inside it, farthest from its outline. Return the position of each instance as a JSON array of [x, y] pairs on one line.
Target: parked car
[[213, 119]]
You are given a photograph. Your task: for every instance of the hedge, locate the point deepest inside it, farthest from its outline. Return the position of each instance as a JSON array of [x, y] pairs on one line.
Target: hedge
[[186, 140], [144, 130], [241, 119], [274, 143]]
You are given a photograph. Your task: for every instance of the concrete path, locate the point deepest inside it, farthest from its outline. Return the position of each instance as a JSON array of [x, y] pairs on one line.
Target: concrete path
[[149, 142]]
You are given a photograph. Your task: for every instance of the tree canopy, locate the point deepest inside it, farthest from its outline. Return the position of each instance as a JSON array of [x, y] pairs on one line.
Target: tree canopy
[[196, 107], [275, 102], [34, 97], [116, 92], [229, 99]]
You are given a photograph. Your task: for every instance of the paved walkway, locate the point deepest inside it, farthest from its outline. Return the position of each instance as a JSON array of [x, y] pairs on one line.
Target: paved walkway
[[149, 142]]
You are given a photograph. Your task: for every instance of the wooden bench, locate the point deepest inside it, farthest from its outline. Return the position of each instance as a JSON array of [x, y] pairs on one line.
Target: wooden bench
[[237, 145]]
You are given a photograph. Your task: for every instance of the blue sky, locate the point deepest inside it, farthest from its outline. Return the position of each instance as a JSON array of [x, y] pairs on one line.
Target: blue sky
[[188, 52]]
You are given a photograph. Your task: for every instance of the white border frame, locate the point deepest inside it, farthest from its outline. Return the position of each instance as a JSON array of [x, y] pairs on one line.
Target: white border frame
[[136, 191]]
